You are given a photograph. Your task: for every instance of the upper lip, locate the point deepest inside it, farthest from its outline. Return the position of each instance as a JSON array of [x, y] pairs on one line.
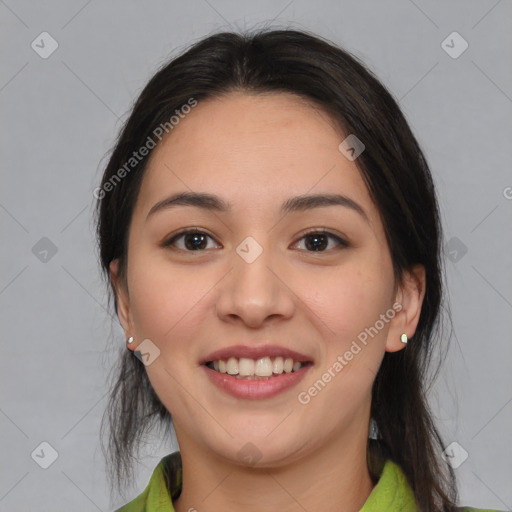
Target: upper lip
[[255, 352]]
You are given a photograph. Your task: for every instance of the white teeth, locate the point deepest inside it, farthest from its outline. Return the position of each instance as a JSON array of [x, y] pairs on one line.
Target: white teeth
[[278, 365], [263, 367], [245, 366], [232, 366]]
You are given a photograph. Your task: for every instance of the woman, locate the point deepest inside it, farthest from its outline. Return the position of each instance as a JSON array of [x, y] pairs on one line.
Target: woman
[[270, 230]]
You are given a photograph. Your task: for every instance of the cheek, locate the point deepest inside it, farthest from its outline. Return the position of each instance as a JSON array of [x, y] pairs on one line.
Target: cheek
[[348, 303], [167, 305], [350, 298]]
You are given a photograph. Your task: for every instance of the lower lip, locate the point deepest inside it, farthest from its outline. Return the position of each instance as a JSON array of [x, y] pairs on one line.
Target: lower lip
[[255, 389]]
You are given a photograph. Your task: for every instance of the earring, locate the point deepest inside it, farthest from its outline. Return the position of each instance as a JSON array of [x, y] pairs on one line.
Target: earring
[[403, 338], [130, 340]]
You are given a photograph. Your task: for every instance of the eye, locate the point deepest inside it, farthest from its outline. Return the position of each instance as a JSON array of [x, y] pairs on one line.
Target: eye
[[317, 240], [193, 240]]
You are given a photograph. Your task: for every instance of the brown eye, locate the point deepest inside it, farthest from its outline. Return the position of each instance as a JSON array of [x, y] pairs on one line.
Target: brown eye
[[192, 240], [318, 241]]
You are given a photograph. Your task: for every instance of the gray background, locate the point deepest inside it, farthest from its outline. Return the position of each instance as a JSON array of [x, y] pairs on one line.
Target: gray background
[[60, 116]]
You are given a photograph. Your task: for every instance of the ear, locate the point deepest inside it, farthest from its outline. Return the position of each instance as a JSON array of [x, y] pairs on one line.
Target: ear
[[122, 299], [409, 298]]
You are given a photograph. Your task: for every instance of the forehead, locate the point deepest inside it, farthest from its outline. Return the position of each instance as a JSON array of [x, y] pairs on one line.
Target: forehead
[[255, 150]]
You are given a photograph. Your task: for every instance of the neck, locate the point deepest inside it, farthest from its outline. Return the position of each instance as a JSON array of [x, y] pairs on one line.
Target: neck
[[330, 479]]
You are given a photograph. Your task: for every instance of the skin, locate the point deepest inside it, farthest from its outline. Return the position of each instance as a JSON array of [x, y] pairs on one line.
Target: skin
[[256, 151]]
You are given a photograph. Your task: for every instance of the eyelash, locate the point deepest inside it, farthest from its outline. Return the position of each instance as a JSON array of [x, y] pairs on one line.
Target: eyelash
[[314, 231]]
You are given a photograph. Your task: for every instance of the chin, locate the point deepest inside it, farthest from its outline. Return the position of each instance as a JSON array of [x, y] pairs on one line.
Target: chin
[[259, 452]]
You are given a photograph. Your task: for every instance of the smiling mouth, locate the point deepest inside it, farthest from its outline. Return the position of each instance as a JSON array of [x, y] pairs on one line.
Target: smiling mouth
[[264, 368]]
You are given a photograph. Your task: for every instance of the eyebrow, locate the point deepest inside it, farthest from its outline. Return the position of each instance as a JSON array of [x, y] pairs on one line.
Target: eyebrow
[[293, 204]]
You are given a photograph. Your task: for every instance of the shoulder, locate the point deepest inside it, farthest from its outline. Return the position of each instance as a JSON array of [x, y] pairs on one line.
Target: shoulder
[[163, 486], [393, 493]]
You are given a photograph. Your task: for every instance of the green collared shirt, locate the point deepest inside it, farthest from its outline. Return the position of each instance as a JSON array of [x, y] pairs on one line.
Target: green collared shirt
[[391, 494]]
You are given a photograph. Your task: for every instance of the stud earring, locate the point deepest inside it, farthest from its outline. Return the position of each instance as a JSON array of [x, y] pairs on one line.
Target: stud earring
[[403, 338], [130, 340]]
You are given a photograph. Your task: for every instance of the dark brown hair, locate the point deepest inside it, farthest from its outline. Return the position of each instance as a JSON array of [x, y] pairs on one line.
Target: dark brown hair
[[398, 179]]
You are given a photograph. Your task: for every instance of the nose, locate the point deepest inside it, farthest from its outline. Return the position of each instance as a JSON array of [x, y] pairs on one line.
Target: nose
[[255, 293]]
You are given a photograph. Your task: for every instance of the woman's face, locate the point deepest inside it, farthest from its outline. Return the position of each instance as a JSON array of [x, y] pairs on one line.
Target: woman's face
[[252, 288]]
